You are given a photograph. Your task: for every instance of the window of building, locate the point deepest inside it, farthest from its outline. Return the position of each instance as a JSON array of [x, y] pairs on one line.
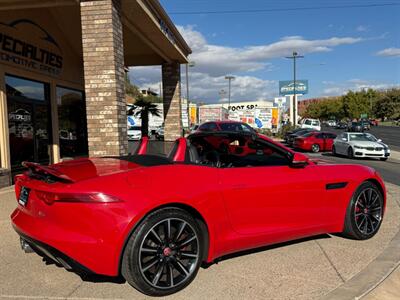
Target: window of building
[[72, 122], [29, 121]]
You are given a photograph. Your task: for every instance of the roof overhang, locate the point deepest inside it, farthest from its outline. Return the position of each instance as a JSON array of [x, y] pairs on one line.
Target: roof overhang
[[150, 37]]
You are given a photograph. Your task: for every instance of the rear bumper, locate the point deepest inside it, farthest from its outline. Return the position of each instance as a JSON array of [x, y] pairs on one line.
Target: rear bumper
[[54, 254], [85, 238]]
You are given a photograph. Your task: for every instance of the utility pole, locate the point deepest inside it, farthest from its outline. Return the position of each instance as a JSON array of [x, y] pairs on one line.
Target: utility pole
[[189, 64], [294, 57], [229, 78]]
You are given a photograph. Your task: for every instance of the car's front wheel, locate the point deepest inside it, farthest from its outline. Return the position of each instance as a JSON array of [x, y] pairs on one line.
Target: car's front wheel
[[315, 148], [383, 158], [350, 153], [164, 253], [334, 150], [364, 213]]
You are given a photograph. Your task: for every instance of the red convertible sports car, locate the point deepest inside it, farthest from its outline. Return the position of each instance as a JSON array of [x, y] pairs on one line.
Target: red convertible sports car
[[154, 220]]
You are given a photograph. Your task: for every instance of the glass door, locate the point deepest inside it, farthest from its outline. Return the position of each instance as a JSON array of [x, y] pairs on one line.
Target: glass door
[[29, 121]]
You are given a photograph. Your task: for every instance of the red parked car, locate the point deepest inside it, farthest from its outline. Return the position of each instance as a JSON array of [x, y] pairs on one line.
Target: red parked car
[[155, 219], [315, 141]]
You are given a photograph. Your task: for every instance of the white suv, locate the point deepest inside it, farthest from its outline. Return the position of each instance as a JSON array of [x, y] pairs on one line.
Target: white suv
[[311, 123]]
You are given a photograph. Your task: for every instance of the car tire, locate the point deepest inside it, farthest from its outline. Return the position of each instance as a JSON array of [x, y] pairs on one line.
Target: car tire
[[164, 252], [383, 158], [350, 153], [315, 148], [364, 213]]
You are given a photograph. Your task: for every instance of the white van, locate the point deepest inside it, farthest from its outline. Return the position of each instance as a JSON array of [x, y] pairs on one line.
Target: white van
[[311, 123]]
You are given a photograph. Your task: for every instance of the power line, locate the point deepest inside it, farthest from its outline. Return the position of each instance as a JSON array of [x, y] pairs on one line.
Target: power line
[[281, 9]]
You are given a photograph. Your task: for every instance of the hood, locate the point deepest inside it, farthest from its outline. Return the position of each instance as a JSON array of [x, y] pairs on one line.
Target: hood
[[86, 168], [366, 143]]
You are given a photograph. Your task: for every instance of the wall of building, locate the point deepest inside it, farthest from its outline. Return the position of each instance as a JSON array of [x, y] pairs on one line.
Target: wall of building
[[258, 114], [34, 48]]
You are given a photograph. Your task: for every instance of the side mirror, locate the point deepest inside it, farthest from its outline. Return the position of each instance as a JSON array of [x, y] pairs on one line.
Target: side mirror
[[379, 140], [299, 160], [344, 139]]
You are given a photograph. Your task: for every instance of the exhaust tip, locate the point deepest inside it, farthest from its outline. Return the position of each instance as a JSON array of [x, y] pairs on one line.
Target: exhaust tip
[[25, 246]]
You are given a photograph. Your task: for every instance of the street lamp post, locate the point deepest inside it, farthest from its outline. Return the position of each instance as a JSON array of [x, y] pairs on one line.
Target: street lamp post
[[294, 57], [189, 64], [229, 78]]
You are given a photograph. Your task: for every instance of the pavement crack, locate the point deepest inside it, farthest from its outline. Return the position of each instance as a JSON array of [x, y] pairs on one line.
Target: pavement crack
[[331, 263], [74, 290]]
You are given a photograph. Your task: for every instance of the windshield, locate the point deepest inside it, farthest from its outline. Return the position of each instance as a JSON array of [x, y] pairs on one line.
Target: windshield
[[308, 134], [315, 123], [235, 127], [362, 137]]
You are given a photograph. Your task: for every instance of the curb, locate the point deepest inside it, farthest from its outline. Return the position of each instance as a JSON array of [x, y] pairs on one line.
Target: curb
[[6, 189], [375, 273]]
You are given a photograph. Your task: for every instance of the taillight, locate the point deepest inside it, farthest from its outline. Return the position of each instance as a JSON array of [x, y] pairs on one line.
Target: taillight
[[50, 198]]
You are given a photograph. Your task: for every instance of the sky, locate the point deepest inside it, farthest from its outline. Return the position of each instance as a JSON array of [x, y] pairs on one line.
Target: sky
[[346, 44]]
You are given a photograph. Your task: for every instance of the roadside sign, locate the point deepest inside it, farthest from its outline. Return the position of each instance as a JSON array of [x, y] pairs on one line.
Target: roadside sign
[[363, 116], [286, 87]]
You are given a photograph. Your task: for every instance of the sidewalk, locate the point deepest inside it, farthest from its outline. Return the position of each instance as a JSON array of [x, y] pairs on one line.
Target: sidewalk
[[389, 289], [312, 268]]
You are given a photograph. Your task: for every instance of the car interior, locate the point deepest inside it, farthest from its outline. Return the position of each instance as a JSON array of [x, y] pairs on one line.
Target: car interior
[[235, 150], [221, 150]]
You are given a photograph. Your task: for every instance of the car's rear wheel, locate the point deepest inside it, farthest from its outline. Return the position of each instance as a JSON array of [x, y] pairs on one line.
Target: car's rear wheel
[[364, 213], [164, 253], [350, 153], [315, 148]]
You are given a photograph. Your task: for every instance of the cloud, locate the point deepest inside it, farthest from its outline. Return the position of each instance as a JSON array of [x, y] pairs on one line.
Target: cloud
[[335, 88], [362, 28], [218, 60], [213, 62], [394, 52], [206, 88]]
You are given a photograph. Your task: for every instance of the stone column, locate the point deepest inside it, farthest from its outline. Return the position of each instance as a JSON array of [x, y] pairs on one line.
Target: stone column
[[103, 60], [171, 78]]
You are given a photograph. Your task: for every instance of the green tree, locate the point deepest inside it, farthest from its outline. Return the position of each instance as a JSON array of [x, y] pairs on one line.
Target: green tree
[[326, 109], [388, 105], [357, 103], [142, 108]]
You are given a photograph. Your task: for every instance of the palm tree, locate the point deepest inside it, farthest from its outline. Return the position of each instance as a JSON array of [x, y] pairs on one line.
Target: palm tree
[[142, 108]]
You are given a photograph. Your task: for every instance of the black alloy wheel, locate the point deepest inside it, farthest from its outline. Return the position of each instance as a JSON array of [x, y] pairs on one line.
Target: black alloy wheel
[[164, 253], [365, 212]]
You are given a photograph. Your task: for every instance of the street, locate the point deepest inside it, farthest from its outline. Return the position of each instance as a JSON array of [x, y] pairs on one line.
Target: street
[[389, 170]]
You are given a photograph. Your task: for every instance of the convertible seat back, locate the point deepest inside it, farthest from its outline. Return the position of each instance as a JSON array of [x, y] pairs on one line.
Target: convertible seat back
[[184, 151], [142, 148]]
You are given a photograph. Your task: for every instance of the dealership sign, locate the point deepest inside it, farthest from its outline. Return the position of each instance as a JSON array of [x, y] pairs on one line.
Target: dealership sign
[[28, 45], [287, 87]]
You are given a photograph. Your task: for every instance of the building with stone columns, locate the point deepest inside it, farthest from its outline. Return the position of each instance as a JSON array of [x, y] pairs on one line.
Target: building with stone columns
[[62, 76]]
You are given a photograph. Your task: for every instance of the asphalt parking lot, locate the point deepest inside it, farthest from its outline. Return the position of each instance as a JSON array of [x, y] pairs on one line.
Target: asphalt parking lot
[[305, 269]]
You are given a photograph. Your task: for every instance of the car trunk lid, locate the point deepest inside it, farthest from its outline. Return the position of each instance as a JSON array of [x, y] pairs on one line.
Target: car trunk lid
[[79, 169]]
